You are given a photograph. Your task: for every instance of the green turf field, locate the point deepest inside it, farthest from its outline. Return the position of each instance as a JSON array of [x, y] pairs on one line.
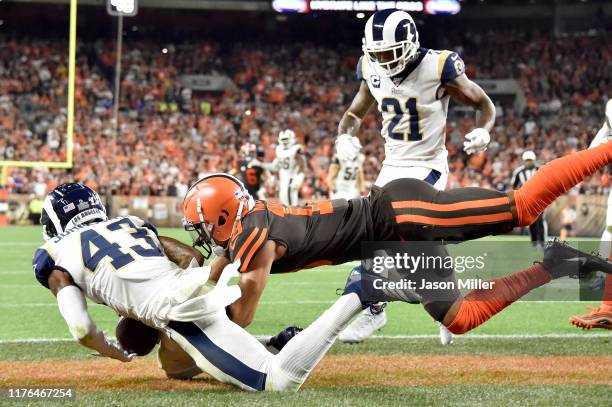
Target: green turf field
[[31, 328]]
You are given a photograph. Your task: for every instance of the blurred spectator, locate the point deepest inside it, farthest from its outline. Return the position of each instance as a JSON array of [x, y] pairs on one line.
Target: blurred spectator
[[169, 135]]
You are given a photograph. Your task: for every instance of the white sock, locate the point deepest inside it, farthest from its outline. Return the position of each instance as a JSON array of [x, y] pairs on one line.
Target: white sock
[[290, 368]]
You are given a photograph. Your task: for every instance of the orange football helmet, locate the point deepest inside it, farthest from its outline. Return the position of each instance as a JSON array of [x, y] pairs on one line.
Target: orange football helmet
[[212, 208]]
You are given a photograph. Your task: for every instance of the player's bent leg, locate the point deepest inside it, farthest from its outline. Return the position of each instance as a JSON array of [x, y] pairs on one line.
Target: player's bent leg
[[555, 179], [423, 213], [291, 366], [375, 318], [224, 350], [469, 213], [480, 305], [175, 361], [231, 355], [370, 320]]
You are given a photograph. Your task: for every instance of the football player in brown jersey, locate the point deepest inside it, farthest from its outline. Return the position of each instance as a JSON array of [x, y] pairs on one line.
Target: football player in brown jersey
[[261, 237]]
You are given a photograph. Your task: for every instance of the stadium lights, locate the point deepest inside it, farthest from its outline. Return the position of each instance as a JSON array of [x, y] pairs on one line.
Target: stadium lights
[[291, 6], [330, 5], [442, 7], [127, 8]]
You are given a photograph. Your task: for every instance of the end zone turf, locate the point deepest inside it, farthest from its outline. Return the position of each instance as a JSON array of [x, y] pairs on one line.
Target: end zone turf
[[527, 355]]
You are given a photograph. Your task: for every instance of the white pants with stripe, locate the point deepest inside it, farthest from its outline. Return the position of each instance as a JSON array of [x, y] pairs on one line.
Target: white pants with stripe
[[230, 354], [437, 178], [288, 191]]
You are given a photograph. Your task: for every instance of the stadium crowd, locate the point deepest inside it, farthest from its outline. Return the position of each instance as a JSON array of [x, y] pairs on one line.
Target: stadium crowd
[[169, 134]]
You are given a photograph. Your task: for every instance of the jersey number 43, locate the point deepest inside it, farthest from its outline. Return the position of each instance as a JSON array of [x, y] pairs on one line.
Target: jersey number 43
[[105, 248], [393, 105]]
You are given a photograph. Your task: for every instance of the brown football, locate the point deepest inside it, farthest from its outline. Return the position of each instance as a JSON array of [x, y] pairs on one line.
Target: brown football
[[136, 337]]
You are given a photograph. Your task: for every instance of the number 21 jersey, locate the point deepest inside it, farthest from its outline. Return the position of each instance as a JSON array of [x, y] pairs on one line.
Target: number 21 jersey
[[414, 107]]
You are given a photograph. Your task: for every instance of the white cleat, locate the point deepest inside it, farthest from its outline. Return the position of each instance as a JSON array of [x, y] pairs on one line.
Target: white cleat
[[363, 326], [446, 336]]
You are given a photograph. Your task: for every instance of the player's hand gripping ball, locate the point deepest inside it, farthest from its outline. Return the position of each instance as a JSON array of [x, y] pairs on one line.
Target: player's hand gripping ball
[[136, 337]]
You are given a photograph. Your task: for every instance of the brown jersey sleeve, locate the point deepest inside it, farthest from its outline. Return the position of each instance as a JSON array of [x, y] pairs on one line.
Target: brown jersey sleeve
[[245, 245]]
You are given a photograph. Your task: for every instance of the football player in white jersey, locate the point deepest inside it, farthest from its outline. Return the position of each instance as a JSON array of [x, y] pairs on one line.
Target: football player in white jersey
[[122, 263], [601, 317], [411, 86], [345, 178], [290, 164]]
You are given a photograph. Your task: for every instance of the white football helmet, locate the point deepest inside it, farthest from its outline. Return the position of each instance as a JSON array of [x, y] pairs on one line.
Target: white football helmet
[[286, 138], [391, 41]]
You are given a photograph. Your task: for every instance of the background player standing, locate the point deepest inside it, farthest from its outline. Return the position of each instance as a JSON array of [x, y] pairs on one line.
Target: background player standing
[[601, 317], [538, 229], [290, 164], [412, 87], [345, 178], [251, 171]]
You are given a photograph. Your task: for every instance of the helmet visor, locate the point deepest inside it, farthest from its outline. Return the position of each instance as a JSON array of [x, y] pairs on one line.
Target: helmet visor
[[201, 235], [391, 59]]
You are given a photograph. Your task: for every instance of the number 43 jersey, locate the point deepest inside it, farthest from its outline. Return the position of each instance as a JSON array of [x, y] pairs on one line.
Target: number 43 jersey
[[414, 107], [119, 262]]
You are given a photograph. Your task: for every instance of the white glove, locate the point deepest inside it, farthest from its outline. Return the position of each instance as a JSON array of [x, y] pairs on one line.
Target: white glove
[[347, 147], [476, 141], [107, 347]]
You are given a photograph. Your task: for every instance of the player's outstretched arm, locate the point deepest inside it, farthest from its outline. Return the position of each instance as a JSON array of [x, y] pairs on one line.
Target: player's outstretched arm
[[360, 106], [252, 284], [180, 253], [72, 306], [347, 143], [469, 93]]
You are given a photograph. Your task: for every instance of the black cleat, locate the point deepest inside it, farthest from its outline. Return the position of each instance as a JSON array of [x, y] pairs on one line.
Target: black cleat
[[562, 260], [279, 341]]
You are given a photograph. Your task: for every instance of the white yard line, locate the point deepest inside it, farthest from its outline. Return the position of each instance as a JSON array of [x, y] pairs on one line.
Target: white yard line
[[52, 304], [377, 337]]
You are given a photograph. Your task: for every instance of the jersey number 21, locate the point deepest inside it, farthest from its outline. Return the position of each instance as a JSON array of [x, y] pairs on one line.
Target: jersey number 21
[[393, 105]]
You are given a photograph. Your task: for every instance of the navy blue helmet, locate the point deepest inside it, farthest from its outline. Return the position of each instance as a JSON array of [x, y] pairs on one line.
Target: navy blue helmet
[[70, 205], [390, 41]]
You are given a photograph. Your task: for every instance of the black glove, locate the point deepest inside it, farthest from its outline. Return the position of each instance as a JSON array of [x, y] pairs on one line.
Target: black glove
[[279, 341]]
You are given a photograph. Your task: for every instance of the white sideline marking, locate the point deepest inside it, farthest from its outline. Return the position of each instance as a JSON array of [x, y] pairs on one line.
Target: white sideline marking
[[52, 304], [377, 337], [500, 336]]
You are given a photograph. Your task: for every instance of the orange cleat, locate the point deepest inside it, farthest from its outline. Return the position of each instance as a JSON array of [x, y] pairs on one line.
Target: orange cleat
[[600, 317]]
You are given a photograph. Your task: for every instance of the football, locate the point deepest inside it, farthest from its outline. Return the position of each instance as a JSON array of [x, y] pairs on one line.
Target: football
[[136, 337]]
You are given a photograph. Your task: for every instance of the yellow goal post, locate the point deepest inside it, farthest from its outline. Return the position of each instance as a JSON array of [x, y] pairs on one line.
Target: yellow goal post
[[6, 164]]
